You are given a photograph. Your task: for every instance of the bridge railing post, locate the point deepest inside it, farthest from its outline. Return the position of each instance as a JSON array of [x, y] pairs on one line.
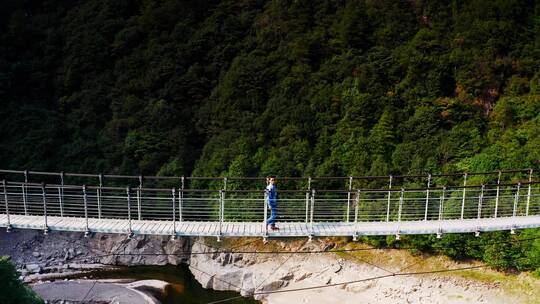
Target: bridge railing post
[[6, 204], [441, 204], [265, 211], [128, 193], [25, 194], [529, 193], [174, 210], [98, 194], [349, 198], [400, 207], [85, 200], [23, 188], [463, 197], [356, 207], [312, 211], [44, 198], [307, 199], [389, 196], [181, 199], [60, 188], [480, 201], [221, 206], [427, 197], [516, 200], [139, 194], [61, 194], [497, 195]]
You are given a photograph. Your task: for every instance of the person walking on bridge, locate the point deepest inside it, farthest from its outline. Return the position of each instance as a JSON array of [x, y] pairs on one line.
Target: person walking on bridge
[[272, 201]]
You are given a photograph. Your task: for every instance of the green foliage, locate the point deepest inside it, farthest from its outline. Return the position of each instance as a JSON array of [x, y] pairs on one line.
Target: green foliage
[[12, 290], [498, 249]]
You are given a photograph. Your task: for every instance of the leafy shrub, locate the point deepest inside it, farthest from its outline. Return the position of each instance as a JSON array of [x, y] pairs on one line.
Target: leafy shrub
[[12, 290]]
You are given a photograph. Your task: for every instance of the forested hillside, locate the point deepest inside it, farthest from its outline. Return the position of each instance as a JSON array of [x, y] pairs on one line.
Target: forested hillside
[[248, 88]]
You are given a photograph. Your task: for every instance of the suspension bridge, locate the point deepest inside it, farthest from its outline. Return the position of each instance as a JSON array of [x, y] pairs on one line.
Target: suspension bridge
[[235, 206]]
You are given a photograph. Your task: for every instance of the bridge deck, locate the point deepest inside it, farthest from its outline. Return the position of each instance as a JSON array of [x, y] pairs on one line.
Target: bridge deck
[[252, 229]]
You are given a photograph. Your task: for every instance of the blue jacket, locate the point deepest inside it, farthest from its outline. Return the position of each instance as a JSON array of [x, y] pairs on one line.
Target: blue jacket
[[271, 196]]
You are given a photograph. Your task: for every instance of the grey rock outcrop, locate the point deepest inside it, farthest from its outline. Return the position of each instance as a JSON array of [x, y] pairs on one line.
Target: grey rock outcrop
[[58, 252]]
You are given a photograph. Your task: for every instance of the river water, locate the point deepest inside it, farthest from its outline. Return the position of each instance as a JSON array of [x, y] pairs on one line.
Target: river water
[[184, 288]]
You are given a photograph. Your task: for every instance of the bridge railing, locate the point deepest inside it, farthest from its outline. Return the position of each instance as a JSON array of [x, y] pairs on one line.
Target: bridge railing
[[346, 183], [301, 206]]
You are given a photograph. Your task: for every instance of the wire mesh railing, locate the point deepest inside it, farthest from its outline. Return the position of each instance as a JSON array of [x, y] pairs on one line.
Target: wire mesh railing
[[249, 206]]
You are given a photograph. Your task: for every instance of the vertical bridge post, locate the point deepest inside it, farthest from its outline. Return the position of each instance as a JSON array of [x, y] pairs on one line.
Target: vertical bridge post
[[400, 204], [463, 195], [23, 188], [85, 209], [174, 211], [307, 199], [221, 205], [99, 192], [497, 195], [222, 213], [349, 198], [356, 207], [312, 210], [480, 201], [265, 211], [181, 198], [61, 194], [441, 204], [400, 209], [389, 194], [529, 193], [139, 198], [44, 198], [516, 200], [128, 190], [427, 197], [25, 192], [7, 204]]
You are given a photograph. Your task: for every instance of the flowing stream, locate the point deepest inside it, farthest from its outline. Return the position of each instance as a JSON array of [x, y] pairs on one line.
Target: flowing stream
[[183, 289]]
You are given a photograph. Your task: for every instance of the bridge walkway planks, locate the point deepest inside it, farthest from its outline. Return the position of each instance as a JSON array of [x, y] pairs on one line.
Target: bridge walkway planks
[[256, 229]]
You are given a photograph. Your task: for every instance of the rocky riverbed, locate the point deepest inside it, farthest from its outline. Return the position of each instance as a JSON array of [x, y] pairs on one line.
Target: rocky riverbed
[[42, 258], [45, 262], [263, 276], [91, 291]]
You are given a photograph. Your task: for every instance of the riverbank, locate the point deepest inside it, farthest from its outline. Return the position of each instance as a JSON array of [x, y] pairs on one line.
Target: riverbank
[[264, 276], [91, 291], [72, 259], [271, 274], [38, 257]]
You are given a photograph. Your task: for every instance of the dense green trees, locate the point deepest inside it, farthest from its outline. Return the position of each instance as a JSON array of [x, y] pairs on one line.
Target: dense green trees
[[12, 291], [316, 87], [257, 87]]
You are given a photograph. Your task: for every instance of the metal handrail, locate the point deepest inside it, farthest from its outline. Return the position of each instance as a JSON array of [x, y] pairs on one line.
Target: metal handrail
[[385, 190], [262, 178]]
